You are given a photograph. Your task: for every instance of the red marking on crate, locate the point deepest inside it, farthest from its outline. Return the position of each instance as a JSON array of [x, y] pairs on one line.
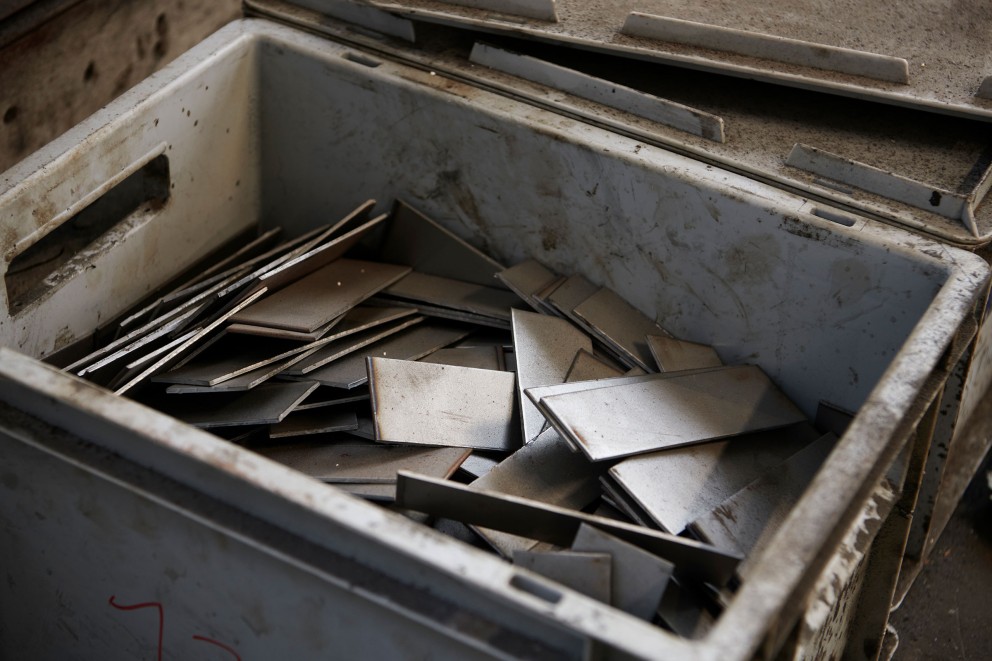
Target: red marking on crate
[[218, 644], [148, 604]]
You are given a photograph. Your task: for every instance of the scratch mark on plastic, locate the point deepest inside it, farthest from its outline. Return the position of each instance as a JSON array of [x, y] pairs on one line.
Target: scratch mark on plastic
[[219, 644]]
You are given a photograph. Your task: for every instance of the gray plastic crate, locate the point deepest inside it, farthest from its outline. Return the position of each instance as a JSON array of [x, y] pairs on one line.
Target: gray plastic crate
[[107, 505]]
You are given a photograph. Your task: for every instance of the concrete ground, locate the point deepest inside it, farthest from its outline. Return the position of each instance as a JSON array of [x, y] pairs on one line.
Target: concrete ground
[[947, 614]]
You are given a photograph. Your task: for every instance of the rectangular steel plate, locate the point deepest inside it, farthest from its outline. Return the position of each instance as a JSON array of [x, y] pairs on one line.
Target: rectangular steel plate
[[526, 279], [638, 578], [743, 520], [587, 573], [556, 525], [620, 325], [587, 367], [673, 355], [544, 348], [546, 471], [677, 409], [479, 463], [571, 293], [316, 299], [678, 485], [426, 404], [417, 241]]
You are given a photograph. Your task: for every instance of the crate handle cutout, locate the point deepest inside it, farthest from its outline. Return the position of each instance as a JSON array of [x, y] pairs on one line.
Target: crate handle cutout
[[364, 60], [31, 271], [834, 217], [535, 588]]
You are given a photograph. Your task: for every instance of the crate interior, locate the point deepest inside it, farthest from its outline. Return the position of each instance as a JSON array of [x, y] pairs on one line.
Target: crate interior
[[714, 257]]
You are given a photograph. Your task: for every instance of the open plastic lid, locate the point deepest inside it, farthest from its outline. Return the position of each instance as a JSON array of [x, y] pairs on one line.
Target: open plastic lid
[[933, 54], [819, 134]]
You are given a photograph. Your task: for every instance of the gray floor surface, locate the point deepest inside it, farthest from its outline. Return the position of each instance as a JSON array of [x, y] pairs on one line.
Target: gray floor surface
[[947, 614]]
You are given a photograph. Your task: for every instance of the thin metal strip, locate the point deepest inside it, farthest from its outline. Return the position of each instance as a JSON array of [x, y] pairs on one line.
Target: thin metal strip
[[230, 357], [164, 362], [768, 46], [483, 358], [556, 525], [361, 14], [234, 260], [543, 10], [308, 423], [441, 313], [176, 324], [627, 99], [340, 346], [350, 371], [269, 404], [329, 292], [245, 381], [175, 318], [874, 180], [134, 366], [454, 294], [235, 273], [320, 254], [313, 254], [282, 334], [364, 463]]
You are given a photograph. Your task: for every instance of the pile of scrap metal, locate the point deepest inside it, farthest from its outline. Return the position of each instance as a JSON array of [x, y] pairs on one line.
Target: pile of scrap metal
[[576, 438]]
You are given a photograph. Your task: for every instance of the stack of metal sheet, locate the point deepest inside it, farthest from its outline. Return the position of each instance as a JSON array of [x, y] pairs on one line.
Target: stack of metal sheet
[[578, 439]]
